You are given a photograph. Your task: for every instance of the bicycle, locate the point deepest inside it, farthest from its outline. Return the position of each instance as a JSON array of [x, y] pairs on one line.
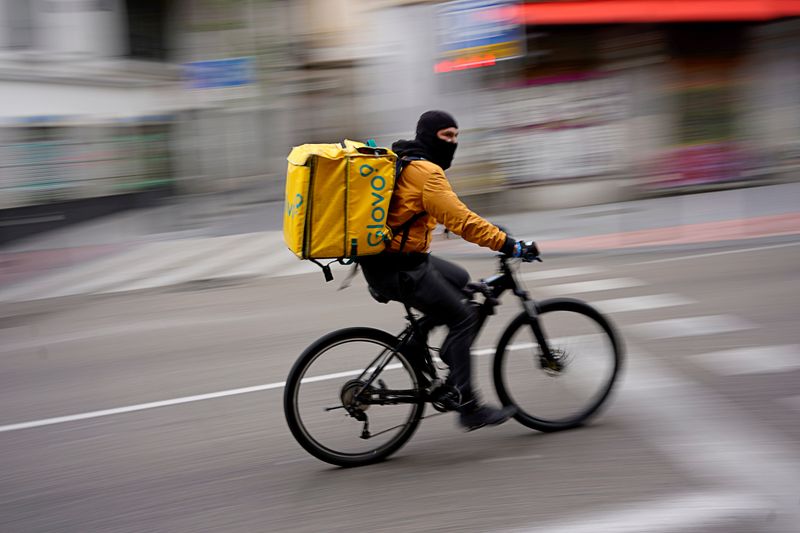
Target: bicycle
[[527, 351]]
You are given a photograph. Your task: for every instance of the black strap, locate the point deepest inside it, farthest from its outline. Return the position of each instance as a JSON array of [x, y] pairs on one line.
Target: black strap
[[405, 227], [402, 163], [326, 269]]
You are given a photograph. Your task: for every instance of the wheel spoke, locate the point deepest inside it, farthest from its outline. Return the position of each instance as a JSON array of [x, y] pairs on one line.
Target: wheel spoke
[[380, 393], [566, 389]]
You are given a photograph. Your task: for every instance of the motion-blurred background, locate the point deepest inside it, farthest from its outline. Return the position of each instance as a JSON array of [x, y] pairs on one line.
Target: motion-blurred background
[[150, 311], [107, 104]]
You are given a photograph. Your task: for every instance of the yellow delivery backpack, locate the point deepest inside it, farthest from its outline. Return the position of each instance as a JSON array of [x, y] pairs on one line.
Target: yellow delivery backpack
[[337, 201]]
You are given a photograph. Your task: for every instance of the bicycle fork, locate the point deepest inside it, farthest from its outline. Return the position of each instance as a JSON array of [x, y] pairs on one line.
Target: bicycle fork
[[546, 358]]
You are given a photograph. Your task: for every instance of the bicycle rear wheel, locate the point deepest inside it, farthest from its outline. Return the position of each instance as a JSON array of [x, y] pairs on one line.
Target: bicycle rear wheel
[[587, 353], [336, 385]]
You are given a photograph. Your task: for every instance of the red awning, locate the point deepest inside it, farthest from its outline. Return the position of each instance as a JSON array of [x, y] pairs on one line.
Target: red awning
[[642, 11]]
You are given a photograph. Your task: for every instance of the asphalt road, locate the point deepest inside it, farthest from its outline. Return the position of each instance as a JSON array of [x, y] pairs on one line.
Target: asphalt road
[[701, 436]]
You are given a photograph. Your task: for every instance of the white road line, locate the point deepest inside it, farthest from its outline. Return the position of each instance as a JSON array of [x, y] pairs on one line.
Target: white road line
[[139, 407], [560, 273], [690, 512], [592, 286], [757, 360], [201, 397], [712, 254], [641, 303], [689, 327]]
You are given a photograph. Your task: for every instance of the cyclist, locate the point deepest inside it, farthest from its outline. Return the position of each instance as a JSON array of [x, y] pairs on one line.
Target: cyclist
[[406, 272]]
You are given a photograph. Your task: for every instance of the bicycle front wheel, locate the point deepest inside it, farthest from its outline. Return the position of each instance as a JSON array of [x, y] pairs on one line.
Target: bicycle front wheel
[[351, 399], [563, 395]]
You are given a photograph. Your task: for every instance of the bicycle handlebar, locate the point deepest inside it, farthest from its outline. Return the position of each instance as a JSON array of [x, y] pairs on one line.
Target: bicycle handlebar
[[529, 254]]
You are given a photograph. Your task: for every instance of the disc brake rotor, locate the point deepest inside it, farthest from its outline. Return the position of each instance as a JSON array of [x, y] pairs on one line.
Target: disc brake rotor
[[558, 362]]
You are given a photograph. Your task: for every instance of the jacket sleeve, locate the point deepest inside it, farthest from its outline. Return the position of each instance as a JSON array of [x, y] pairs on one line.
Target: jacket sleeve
[[442, 203]]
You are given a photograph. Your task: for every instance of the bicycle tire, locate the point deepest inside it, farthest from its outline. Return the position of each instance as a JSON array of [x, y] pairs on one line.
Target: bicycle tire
[[292, 411], [565, 305]]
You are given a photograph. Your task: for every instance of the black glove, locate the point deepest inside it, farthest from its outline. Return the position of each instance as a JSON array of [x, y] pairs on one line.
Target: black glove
[[527, 251]]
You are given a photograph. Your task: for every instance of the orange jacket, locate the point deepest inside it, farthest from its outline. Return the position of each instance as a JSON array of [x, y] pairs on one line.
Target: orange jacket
[[423, 187]]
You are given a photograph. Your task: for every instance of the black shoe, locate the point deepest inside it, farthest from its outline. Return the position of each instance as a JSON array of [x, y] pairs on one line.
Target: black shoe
[[477, 416], [445, 398]]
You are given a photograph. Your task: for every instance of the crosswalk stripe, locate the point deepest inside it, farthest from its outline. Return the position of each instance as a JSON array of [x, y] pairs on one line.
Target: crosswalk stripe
[[756, 360], [559, 273], [591, 286], [641, 303], [141, 263], [690, 326], [276, 263], [181, 252], [298, 268], [242, 251], [689, 512], [44, 286]]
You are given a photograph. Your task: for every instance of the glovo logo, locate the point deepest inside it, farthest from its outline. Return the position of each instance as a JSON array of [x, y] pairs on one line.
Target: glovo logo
[[377, 183], [293, 206]]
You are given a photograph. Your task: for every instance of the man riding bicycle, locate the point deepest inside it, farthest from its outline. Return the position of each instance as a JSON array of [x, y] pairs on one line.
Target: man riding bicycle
[[408, 273]]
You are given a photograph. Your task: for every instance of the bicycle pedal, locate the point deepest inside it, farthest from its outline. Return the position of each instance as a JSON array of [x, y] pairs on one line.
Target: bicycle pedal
[[445, 398]]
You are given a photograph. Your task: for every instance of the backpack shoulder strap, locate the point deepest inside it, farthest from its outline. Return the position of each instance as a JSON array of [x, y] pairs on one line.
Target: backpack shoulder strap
[[402, 163], [405, 227]]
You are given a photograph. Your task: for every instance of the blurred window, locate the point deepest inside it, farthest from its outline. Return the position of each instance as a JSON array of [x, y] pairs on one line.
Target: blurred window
[[19, 23], [565, 48], [718, 40], [147, 23]]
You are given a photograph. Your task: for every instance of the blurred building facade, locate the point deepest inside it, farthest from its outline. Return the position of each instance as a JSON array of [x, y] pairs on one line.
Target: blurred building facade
[[609, 98], [127, 100], [83, 111], [113, 98]]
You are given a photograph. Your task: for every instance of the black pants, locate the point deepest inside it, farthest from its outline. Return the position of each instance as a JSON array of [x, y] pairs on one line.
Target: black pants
[[432, 286]]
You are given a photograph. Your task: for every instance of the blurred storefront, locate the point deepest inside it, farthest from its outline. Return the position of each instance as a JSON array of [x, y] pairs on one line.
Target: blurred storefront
[[104, 99], [663, 95], [81, 114], [609, 98], [560, 102]]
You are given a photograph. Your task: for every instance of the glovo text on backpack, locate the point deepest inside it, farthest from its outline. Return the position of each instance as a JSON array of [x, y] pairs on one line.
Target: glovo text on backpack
[[337, 200]]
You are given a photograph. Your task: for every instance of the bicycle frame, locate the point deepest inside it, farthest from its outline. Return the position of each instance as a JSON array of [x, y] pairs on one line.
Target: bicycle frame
[[491, 288]]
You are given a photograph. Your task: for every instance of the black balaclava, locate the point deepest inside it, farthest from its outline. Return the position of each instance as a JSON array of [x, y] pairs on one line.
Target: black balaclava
[[438, 151]]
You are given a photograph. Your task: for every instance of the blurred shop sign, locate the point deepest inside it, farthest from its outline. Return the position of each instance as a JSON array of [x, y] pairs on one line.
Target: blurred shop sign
[[221, 79], [218, 73], [475, 33]]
